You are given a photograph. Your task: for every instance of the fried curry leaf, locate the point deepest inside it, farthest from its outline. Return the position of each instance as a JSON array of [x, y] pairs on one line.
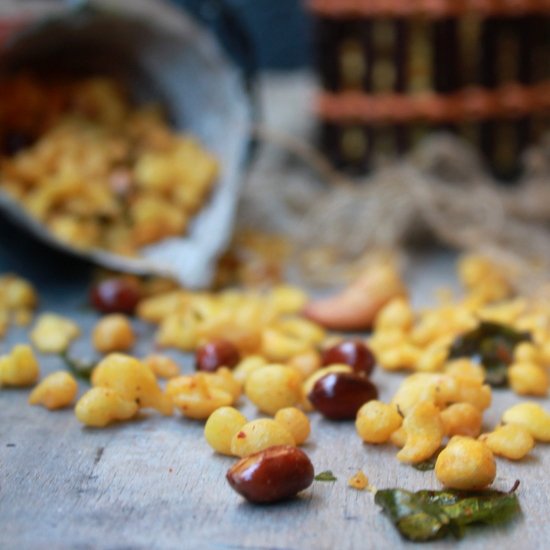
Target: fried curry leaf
[[426, 465], [429, 464], [80, 368], [429, 515], [327, 475], [492, 345]]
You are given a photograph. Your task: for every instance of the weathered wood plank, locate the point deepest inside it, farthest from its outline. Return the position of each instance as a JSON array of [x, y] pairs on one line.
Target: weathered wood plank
[[155, 483]]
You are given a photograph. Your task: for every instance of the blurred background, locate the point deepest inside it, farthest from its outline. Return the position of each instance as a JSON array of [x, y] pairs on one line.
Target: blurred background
[[280, 30], [461, 99]]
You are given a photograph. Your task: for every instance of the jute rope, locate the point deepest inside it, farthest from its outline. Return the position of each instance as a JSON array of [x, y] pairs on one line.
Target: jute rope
[[439, 192]]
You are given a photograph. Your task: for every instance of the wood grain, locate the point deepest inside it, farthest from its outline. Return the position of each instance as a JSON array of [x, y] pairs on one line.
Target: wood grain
[[154, 483]]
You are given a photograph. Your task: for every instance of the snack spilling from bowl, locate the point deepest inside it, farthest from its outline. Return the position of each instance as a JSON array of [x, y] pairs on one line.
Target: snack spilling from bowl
[[113, 135], [97, 171]]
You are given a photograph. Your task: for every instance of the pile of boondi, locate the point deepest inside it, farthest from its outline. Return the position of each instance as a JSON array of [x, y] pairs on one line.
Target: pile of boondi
[[96, 170], [262, 346]]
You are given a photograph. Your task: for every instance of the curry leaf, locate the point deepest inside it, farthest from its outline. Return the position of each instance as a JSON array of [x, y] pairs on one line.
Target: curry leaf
[[80, 368], [428, 464], [425, 466], [428, 515], [491, 344], [327, 475]]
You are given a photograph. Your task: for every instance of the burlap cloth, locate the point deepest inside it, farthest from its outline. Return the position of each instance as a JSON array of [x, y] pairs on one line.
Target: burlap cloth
[[441, 192]]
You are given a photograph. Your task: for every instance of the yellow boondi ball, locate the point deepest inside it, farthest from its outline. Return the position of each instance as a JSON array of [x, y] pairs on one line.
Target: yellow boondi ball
[[376, 421], [296, 422], [510, 441], [530, 416], [273, 387], [113, 333], [221, 426], [56, 391], [257, 435], [19, 368], [466, 464]]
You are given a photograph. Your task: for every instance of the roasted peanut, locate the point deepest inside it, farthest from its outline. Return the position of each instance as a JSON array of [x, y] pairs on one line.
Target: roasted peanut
[[307, 386], [116, 295], [339, 395], [271, 475], [220, 353], [353, 353]]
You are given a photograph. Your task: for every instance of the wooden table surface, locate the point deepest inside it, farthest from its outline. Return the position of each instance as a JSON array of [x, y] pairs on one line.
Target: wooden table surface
[[155, 483]]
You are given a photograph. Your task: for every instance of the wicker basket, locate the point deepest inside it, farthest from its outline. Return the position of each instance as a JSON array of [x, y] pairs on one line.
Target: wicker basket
[[391, 70]]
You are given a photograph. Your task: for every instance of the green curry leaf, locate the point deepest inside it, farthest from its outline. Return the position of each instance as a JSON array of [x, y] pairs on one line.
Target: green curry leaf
[[428, 515], [428, 464], [80, 368], [492, 345], [425, 466], [327, 475]]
